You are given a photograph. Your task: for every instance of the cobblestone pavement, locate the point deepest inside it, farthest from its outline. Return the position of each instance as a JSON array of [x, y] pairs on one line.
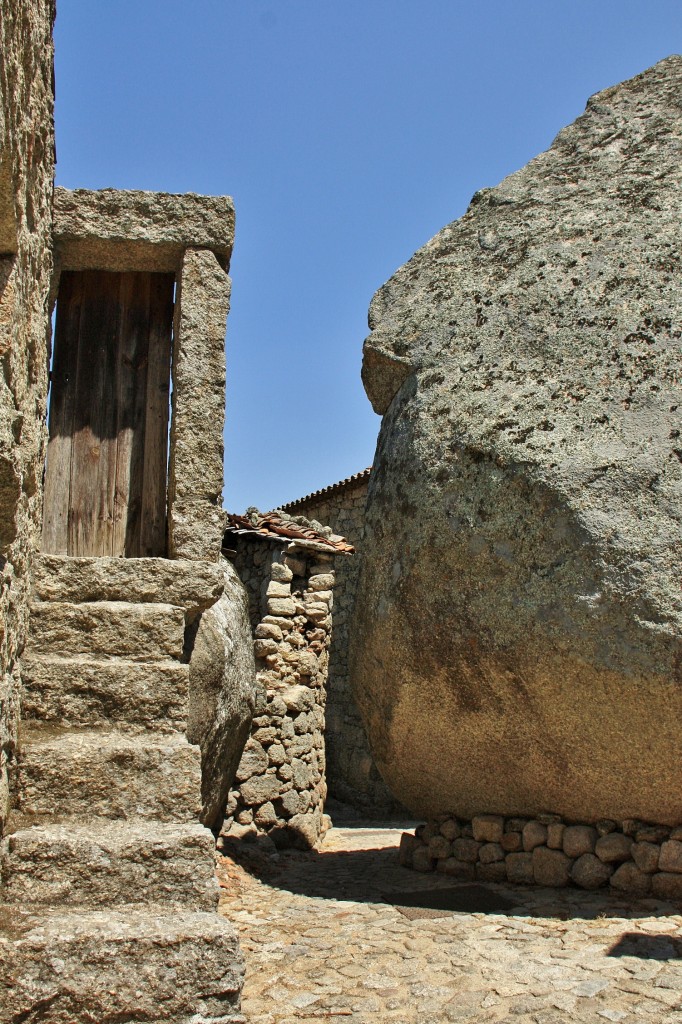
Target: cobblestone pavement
[[322, 943]]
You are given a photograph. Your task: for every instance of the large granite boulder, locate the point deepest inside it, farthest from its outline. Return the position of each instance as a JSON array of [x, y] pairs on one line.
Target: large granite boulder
[[222, 688], [516, 646]]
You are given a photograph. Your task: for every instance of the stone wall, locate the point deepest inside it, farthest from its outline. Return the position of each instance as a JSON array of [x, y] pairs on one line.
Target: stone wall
[[352, 775], [629, 856], [26, 173], [280, 784]]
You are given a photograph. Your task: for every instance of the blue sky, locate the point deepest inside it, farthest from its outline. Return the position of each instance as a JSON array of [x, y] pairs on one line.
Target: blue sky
[[348, 134]]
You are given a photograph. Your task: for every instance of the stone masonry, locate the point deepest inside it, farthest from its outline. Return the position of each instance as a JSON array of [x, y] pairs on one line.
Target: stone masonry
[[126, 739], [281, 780], [629, 856], [352, 775]]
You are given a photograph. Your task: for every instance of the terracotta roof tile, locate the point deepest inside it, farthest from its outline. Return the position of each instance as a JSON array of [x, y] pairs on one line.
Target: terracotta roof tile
[[277, 525], [350, 481]]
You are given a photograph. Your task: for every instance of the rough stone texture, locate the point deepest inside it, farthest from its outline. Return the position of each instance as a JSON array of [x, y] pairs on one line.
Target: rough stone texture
[[113, 775], [326, 937], [123, 965], [111, 629], [222, 693], [280, 785], [352, 774], [90, 691], [110, 229], [104, 864], [463, 849], [191, 585], [517, 628], [26, 171], [195, 485]]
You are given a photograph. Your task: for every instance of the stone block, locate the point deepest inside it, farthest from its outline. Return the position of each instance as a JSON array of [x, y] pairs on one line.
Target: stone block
[[579, 839], [111, 863], [646, 856], [110, 965], [108, 629], [450, 829], [628, 878], [108, 774], [422, 859], [613, 848], [555, 835], [254, 760], [534, 834], [281, 606], [511, 842], [466, 849], [520, 868], [111, 229], [195, 529], [90, 691], [589, 872], [440, 848], [490, 853], [408, 844], [671, 856], [459, 869], [191, 585], [667, 885], [260, 789], [495, 871], [551, 867], [488, 828]]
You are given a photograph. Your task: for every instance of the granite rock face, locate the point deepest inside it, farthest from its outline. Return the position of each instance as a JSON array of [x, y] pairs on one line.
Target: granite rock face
[[222, 685], [26, 172], [516, 646]]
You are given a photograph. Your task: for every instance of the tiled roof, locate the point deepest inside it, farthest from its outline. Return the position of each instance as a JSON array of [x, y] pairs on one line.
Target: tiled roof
[[278, 525], [325, 492]]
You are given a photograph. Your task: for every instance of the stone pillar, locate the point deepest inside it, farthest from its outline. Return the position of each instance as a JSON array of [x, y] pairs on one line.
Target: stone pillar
[[280, 785], [196, 520]]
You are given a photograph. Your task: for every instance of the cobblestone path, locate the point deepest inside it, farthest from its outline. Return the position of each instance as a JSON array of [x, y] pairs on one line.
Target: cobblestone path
[[322, 944]]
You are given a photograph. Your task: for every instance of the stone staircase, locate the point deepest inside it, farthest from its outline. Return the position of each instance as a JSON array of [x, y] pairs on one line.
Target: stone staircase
[[109, 892]]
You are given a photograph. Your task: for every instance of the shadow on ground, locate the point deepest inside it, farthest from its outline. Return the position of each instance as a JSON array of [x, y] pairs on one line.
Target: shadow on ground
[[370, 873]]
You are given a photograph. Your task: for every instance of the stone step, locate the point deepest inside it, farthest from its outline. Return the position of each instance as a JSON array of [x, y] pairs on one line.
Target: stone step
[[107, 629], [136, 965], [192, 586], [66, 773], [88, 691], [106, 863]]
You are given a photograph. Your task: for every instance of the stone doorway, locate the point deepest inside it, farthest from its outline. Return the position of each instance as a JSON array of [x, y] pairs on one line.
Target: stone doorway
[[106, 475]]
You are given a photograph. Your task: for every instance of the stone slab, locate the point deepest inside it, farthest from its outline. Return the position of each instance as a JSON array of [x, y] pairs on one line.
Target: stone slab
[[110, 863], [191, 585], [110, 229], [64, 774], [90, 691], [125, 964], [108, 629]]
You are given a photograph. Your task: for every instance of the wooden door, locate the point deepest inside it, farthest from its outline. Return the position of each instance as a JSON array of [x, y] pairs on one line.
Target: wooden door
[[105, 480]]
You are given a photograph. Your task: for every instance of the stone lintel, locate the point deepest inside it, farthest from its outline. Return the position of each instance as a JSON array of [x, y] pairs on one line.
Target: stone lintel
[[116, 230], [196, 520]]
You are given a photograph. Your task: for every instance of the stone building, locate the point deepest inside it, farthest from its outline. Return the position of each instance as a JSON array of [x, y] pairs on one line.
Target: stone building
[[126, 657], [288, 565], [352, 775]]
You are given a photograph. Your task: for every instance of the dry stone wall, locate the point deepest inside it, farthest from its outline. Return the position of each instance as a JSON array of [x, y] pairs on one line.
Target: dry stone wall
[[352, 775], [26, 172], [629, 856], [280, 784]]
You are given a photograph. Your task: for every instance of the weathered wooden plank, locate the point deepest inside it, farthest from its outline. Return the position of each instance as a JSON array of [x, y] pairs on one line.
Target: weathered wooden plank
[[132, 389], [94, 440], [154, 506], [57, 490], [107, 468]]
